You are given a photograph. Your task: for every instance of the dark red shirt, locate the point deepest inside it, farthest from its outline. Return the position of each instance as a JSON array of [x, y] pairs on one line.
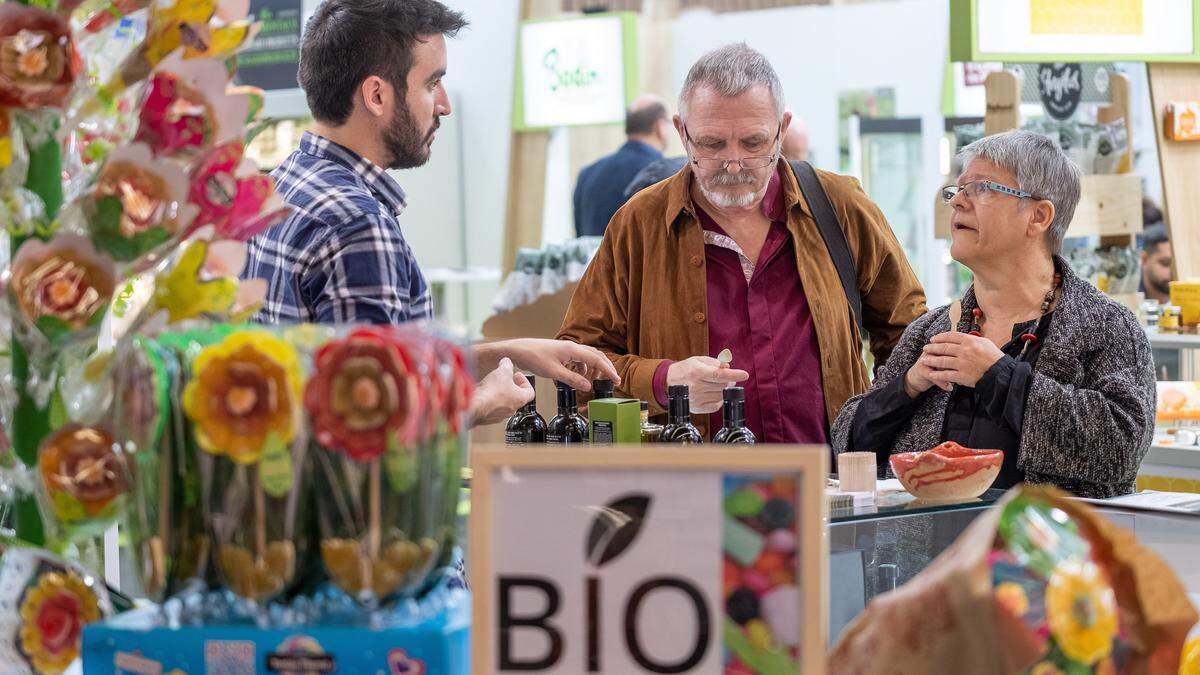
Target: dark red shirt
[[759, 311]]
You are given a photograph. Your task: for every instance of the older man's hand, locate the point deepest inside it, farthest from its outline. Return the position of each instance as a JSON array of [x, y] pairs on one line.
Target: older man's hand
[[959, 358], [706, 378], [561, 360]]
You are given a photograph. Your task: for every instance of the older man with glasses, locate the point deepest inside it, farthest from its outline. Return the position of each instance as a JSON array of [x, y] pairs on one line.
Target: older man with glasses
[[742, 250]]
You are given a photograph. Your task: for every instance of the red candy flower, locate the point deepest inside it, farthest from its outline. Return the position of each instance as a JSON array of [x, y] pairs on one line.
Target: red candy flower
[[53, 614], [175, 116], [232, 195], [363, 391], [38, 61]]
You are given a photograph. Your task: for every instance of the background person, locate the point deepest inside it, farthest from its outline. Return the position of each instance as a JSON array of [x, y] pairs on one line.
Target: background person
[[600, 189]]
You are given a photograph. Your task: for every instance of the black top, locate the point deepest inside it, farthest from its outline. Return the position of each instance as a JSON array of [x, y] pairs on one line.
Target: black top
[[986, 417]]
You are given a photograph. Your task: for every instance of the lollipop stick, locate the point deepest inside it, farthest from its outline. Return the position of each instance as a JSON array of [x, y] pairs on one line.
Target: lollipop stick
[[260, 520], [374, 515]]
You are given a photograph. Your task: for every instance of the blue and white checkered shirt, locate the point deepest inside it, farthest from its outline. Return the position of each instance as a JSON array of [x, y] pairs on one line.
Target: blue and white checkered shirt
[[340, 257]]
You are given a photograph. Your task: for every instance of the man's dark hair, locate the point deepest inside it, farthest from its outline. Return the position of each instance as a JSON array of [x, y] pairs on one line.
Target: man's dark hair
[[1153, 236], [641, 121], [1151, 214], [347, 41]]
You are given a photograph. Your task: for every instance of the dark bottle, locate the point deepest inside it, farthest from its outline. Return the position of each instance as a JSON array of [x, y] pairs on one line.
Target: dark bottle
[[526, 425], [602, 388], [735, 431], [679, 429], [568, 427]]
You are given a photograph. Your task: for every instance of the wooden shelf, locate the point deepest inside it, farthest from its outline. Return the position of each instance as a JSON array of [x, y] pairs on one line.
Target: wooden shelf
[[1110, 207], [1172, 340]]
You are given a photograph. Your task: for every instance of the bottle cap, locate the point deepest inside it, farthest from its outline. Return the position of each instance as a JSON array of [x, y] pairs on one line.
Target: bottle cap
[[645, 406], [602, 387], [677, 390], [734, 394], [561, 386]]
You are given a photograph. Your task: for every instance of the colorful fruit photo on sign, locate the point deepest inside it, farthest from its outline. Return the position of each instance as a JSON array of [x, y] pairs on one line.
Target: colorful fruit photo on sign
[[763, 622]]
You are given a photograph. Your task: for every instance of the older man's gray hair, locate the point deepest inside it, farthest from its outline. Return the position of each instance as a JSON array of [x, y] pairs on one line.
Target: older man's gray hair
[[1042, 169], [729, 71]]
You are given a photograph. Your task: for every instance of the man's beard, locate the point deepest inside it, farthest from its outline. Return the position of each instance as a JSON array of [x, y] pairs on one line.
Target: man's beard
[[407, 146], [724, 200]]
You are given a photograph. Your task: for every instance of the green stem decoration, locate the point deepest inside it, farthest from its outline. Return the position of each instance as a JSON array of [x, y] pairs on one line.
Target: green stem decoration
[[31, 422]]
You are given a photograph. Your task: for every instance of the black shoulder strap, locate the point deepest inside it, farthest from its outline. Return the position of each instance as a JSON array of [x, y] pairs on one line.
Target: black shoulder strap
[[833, 235]]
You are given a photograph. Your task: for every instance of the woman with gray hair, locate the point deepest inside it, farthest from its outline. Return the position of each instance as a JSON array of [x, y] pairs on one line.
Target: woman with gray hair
[[1038, 362]]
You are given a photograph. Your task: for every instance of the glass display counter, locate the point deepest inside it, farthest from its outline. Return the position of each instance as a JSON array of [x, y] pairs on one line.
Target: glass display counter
[[875, 549]]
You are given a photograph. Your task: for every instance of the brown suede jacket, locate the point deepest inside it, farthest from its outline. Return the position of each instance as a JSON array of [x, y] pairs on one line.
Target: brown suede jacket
[[644, 296]]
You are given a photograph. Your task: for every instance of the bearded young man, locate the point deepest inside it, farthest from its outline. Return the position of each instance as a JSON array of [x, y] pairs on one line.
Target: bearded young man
[[729, 253], [372, 73]]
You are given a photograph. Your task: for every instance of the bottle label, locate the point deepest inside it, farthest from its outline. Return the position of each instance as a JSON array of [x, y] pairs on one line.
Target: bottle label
[[602, 433], [555, 438], [515, 438]]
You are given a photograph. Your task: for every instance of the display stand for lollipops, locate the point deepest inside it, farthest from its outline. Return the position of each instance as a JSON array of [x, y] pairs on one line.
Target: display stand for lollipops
[[287, 497]]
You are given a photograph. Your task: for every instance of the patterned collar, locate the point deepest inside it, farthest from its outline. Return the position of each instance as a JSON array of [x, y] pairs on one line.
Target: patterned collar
[[377, 180]]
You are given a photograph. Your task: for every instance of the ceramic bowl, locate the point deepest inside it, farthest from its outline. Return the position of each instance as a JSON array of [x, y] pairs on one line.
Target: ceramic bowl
[[947, 472]]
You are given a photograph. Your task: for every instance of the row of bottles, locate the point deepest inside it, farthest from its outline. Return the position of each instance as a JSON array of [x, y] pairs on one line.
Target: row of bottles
[[568, 427]]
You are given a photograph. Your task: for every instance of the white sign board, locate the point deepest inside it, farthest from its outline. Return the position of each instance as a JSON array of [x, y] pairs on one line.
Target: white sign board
[[573, 72], [648, 560], [1065, 27]]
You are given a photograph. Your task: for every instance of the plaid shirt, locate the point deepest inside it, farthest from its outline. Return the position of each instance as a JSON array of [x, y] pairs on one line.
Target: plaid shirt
[[340, 257]]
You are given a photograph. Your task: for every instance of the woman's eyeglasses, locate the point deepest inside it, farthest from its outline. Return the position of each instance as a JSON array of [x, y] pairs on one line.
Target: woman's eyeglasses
[[977, 188]]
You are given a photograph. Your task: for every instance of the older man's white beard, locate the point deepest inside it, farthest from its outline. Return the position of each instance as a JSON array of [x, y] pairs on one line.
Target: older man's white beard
[[728, 201], [724, 200]]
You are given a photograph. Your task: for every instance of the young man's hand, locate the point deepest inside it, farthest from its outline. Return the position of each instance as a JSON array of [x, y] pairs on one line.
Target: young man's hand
[[500, 394]]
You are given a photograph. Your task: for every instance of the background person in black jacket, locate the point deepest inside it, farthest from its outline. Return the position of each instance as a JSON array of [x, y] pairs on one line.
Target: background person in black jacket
[[600, 190]]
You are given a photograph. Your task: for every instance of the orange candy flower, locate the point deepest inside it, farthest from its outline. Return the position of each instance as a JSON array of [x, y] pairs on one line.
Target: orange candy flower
[[243, 391]]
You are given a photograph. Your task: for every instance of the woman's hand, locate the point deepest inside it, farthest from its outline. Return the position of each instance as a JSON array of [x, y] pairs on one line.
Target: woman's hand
[[919, 378], [959, 358]]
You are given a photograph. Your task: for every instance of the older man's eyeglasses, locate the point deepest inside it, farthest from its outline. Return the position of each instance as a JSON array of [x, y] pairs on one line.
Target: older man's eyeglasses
[[977, 188], [720, 164]]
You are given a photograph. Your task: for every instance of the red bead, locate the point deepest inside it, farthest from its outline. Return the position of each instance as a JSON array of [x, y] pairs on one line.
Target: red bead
[[977, 312], [975, 333], [1029, 337]]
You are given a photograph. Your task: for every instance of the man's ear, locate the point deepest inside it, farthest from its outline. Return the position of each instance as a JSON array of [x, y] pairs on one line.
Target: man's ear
[[375, 95]]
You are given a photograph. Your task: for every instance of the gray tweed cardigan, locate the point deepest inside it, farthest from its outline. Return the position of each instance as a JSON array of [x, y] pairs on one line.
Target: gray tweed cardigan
[[1089, 416]]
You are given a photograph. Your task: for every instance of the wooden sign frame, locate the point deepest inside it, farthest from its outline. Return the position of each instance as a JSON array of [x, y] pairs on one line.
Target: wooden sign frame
[[808, 463]]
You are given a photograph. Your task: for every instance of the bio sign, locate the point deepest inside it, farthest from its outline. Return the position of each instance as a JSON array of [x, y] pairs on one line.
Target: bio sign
[[575, 71], [648, 560]]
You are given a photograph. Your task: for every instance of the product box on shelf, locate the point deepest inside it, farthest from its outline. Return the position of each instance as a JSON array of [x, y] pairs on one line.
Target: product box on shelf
[[135, 642], [615, 420]]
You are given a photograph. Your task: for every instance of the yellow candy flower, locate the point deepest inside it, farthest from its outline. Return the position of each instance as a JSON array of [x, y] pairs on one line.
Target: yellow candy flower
[[1190, 663], [189, 24], [53, 614], [243, 391], [186, 294], [1082, 611]]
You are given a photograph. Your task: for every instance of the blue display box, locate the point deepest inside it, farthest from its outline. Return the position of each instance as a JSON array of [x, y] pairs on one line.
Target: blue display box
[[134, 642]]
